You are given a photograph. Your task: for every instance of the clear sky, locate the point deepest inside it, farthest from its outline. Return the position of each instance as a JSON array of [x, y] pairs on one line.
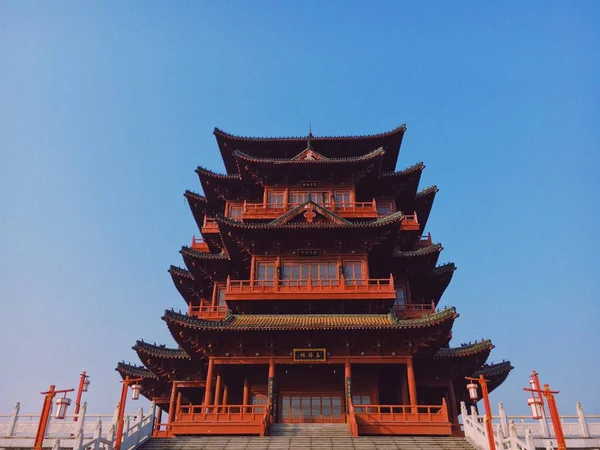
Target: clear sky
[[106, 108]]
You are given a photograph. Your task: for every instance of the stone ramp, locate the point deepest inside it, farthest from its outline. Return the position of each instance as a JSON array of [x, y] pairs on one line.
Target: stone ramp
[[307, 443]]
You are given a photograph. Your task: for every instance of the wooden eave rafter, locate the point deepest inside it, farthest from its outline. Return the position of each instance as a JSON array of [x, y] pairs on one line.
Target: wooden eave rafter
[[400, 186], [219, 188], [209, 266], [329, 147], [431, 287], [168, 363], [198, 205], [424, 203], [413, 263], [190, 288]]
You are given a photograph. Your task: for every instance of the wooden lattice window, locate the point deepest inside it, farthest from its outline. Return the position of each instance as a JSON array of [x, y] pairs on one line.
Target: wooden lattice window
[[353, 272], [276, 200]]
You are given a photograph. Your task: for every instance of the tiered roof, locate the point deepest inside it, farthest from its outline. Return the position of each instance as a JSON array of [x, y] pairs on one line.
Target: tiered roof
[[366, 163]]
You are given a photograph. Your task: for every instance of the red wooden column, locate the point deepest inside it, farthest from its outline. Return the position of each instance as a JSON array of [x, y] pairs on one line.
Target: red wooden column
[[172, 403], [225, 394], [246, 396], [412, 385], [218, 391], [208, 394]]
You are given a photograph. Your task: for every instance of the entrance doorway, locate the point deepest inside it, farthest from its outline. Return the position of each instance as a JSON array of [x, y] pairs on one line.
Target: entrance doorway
[[315, 408]]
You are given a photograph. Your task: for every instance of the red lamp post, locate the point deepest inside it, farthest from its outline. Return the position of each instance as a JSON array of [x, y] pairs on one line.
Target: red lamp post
[[135, 394], [473, 395], [537, 407], [84, 382], [62, 403]]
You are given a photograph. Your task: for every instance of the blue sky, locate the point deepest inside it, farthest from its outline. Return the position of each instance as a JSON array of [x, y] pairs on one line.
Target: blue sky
[[106, 108]]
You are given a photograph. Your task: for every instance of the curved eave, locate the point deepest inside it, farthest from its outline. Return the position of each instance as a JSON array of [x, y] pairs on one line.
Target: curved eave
[[392, 219], [205, 265], [198, 205], [158, 351], [423, 204], [328, 146], [315, 322], [189, 288], [419, 262], [218, 188], [294, 163], [432, 287], [134, 371], [465, 350], [494, 373]]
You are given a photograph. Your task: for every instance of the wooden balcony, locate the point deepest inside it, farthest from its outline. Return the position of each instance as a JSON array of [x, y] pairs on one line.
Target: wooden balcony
[[199, 244], [355, 210], [340, 289], [410, 222], [424, 241], [208, 312], [400, 419], [222, 419], [411, 311], [210, 225]]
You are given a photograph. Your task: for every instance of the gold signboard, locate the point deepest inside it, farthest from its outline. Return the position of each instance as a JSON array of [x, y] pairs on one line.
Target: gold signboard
[[310, 355]]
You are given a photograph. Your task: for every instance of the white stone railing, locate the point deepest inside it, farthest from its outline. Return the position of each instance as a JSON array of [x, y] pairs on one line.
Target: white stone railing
[[77, 432], [525, 433]]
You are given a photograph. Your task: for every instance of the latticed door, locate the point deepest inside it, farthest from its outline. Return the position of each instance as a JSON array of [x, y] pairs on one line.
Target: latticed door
[[316, 408]]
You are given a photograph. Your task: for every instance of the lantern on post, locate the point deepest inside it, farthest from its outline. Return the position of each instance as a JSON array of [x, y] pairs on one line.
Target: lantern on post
[[62, 404], [536, 406], [86, 384], [473, 394], [135, 391]]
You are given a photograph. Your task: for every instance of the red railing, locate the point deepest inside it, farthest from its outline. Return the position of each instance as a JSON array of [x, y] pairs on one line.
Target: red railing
[[376, 414], [210, 225], [222, 413], [410, 222], [409, 310], [258, 210], [199, 244], [310, 285], [424, 241], [351, 416], [208, 312]]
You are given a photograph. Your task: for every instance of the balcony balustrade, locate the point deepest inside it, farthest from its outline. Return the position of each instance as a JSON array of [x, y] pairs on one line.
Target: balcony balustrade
[[424, 241], [210, 225], [364, 210], [410, 222], [220, 419], [411, 311], [402, 419], [376, 288], [208, 312], [199, 244]]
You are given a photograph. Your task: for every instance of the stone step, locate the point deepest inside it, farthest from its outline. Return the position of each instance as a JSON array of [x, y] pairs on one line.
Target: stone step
[[307, 443]]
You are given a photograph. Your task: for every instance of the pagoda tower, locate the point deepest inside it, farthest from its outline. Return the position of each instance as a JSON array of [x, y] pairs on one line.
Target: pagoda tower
[[311, 297]]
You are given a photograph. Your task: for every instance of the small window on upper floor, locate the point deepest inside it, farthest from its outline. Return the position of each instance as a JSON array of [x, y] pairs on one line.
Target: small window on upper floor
[[275, 200], [400, 297], [235, 212], [342, 199], [384, 209]]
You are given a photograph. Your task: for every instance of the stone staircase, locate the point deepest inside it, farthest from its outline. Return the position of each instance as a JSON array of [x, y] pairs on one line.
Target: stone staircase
[[307, 436]]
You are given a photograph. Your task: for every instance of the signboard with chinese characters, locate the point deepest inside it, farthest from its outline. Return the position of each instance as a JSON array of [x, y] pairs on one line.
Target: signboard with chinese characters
[[309, 252], [310, 355], [309, 184]]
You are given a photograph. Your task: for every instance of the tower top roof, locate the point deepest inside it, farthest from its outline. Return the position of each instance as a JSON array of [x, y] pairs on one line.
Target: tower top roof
[[328, 146]]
